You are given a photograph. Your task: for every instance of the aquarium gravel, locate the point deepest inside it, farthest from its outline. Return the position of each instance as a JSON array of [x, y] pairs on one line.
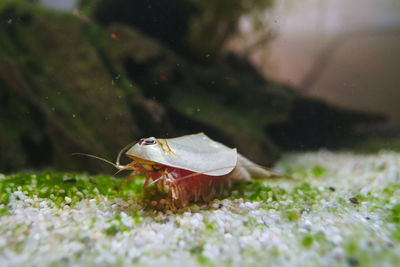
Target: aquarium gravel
[[338, 209]]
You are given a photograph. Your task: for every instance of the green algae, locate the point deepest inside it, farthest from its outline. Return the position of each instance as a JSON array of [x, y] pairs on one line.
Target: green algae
[[59, 186]]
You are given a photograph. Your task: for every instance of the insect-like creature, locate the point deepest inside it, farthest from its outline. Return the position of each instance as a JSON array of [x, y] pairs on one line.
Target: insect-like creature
[[190, 168]]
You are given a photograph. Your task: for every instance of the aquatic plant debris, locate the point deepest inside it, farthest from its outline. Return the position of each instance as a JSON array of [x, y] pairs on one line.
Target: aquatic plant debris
[[52, 218]]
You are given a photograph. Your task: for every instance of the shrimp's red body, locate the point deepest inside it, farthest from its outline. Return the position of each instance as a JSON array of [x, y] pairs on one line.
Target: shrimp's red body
[[183, 186], [196, 187]]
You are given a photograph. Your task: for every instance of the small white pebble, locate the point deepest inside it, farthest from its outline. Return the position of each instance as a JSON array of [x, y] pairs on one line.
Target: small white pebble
[[215, 206], [92, 202], [364, 191], [251, 206], [43, 204], [307, 225], [28, 201], [68, 200], [336, 239], [126, 220], [19, 195]]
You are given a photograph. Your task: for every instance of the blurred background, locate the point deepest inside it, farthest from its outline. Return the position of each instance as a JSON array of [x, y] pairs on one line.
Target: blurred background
[[346, 53], [264, 76]]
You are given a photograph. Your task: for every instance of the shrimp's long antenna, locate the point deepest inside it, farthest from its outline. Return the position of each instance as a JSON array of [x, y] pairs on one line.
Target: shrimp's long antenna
[[120, 153], [96, 157], [124, 167]]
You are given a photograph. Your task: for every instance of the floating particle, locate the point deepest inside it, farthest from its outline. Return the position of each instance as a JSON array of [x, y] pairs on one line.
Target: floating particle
[[114, 36]]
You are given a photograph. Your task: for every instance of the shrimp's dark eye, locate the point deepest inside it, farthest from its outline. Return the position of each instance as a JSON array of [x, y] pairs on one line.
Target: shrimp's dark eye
[[150, 141], [147, 141]]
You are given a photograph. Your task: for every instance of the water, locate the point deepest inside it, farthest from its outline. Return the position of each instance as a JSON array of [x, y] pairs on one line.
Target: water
[[359, 41]]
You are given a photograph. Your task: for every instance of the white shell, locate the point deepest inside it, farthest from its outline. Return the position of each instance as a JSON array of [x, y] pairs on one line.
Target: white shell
[[196, 153]]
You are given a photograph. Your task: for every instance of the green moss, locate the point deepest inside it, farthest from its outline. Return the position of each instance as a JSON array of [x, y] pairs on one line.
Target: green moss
[[298, 172], [391, 189], [92, 222], [292, 215], [352, 248], [137, 218], [395, 214], [3, 211], [305, 193], [307, 240], [211, 226], [57, 186], [257, 191], [396, 233], [204, 260], [306, 172], [116, 226], [318, 171], [112, 230], [196, 249]]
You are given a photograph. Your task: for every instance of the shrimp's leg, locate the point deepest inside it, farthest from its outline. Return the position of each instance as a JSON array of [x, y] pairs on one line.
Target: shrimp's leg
[[146, 182], [160, 181], [133, 175]]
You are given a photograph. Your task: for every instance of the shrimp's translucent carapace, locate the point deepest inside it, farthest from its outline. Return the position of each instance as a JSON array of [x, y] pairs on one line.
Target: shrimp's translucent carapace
[[190, 168]]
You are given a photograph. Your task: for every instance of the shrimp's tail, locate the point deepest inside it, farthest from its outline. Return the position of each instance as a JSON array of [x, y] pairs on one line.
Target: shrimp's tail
[[252, 170]]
